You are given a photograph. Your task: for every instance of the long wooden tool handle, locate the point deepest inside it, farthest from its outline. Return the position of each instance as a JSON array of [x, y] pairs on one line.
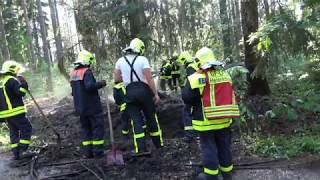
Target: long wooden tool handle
[[43, 115], [110, 121]]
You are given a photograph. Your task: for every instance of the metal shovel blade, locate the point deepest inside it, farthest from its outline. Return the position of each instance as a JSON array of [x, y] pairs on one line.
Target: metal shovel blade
[[115, 157]]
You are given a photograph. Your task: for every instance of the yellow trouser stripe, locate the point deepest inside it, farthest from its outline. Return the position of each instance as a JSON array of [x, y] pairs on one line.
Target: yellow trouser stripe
[[86, 143], [159, 130], [226, 169], [123, 106], [98, 142], [137, 136], [188, 128], [23, 90], [23, 141], [155, 133], [13, 145], [211, 172], [125, 132]]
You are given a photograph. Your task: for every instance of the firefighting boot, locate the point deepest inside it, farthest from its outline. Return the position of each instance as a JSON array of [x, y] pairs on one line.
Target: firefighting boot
[[203, 176], [26, 154]]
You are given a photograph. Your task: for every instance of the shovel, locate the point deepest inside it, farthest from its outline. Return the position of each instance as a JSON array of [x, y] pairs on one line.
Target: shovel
[[114, 157], [45, 118]]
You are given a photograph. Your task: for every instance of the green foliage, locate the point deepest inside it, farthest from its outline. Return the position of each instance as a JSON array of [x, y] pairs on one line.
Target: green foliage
[[38, 83], [285, 146], [239, 75]]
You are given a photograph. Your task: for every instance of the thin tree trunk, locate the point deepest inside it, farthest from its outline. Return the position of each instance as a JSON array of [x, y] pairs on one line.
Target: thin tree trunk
[[266, 8], [3, 41], [36, 40], [225, 30], [249, 12], [45, 45], [29, 34], [57, 37]]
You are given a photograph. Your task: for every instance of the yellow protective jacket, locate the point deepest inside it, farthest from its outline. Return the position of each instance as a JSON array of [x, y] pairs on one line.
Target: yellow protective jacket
[[212, 98], [11, 94]]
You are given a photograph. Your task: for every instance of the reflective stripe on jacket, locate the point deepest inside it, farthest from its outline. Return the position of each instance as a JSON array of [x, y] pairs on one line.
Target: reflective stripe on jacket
[[11, 93], [119, 92], [213, 99]]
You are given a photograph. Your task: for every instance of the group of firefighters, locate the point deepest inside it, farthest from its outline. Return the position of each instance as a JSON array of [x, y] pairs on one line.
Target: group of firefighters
[[210, 105]]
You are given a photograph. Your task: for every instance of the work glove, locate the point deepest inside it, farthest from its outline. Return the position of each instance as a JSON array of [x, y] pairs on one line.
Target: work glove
[[21, 79], [103, 83], [23, 82]]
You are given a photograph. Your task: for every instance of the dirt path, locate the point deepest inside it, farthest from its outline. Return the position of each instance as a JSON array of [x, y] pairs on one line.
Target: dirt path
[[278, 174], [8, 173]]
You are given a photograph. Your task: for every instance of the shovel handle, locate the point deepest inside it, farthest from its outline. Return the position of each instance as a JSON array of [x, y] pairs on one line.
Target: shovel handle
[[44, 116], [110, 122]]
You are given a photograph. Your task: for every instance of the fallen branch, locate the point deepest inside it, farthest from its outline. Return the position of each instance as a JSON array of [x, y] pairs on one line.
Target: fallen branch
[[61, 163], [101, 171], [65, 174], [90, 170], [33, 171]]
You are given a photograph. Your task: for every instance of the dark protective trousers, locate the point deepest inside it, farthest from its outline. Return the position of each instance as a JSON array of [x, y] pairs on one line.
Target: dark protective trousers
[[93, 133], [20, 133], [126, 123], [140, 98], [216, 151], [187, 120]]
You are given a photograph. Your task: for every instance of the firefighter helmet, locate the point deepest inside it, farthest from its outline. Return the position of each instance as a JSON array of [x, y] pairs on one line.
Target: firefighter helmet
[[184, 57], [85, 58], [12, 67], [136, 45]]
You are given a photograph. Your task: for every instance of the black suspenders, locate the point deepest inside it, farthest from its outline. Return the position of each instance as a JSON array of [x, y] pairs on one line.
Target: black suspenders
[[132, 69]]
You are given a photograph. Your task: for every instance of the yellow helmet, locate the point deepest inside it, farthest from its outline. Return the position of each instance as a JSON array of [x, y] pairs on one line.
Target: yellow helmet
[[85, 58], [136, 45], [12, 67], [207, 58], [184, 57]]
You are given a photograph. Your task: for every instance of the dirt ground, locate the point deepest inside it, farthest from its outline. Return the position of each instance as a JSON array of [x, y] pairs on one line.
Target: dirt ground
[[179, 159]]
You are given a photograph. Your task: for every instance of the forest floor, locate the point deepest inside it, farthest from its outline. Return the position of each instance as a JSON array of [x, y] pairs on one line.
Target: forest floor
[[179, 159]]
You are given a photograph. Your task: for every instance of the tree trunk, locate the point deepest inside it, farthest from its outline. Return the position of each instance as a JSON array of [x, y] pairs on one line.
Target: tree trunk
[[57, 38], [137, 18], [29, 35], [36, 40], [3, 41], [45, 45], [225, 29], [266, 8], [249, 14]]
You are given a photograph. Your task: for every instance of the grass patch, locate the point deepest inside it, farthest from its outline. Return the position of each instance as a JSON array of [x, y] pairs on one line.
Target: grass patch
[[283, 146]]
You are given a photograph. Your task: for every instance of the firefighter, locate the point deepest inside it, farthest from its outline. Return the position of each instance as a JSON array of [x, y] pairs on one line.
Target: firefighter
[[165, 75], [134, 70], [191, 67], [214, 105], [87, 104], [119, 93], [175, 72], [12, 109]]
